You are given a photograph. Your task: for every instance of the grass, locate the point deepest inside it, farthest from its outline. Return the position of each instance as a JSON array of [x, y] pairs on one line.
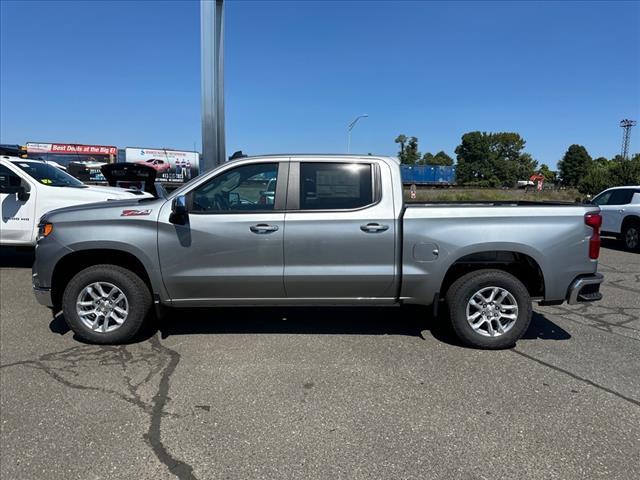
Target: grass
[[452, 194]]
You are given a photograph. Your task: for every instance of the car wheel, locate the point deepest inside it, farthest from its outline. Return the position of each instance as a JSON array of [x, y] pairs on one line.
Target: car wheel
[[631, 236], [106, 304], [489, 309]]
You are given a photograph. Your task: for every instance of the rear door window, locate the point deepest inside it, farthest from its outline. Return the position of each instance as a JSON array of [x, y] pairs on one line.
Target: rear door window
[[335, 186], [621, 196]]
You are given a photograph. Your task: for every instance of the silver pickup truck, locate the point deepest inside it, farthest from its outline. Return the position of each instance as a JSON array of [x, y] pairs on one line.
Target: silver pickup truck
[[314, 230]]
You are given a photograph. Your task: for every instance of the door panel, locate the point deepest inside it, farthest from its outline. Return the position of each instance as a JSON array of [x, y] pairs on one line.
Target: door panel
[[342, 254], [17, 224], [219, 256], [231, 246]]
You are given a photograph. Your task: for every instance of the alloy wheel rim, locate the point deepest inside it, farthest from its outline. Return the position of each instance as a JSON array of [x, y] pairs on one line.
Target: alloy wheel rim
[[632, 237], [102, 307], [492, 311]]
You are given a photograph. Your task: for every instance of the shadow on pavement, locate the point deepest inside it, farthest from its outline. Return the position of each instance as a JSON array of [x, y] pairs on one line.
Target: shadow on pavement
[[613, 244], [410, 321], [16, 257]]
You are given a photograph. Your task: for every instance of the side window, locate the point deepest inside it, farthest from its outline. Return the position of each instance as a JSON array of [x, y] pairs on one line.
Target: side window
[[8, 178], [331, 186], [248, 188], [621, 196], [603, 198]]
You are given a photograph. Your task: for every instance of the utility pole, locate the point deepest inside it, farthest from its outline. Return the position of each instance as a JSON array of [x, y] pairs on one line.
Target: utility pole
[[626, 125], [350, 127], [212, 83]]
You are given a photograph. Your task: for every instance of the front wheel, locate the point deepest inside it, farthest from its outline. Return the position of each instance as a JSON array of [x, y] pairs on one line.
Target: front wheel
[[106, 304], [489, 309]]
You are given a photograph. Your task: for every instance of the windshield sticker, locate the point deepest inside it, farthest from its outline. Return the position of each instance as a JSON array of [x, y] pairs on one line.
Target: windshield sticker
[[135, 213], [46, 181], [24, 165]]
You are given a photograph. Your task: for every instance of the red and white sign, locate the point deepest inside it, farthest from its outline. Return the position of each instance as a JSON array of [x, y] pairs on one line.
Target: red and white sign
[[71, 148]]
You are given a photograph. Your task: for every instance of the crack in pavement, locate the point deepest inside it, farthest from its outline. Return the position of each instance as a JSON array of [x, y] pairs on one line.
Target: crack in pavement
[[602, 325], [577, 377], [161, 361]]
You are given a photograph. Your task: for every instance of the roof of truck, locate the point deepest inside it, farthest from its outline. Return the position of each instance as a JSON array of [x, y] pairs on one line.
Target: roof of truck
[[337, 155]]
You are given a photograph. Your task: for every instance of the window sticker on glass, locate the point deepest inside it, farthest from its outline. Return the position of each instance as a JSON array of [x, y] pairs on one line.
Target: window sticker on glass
[[332, 183]]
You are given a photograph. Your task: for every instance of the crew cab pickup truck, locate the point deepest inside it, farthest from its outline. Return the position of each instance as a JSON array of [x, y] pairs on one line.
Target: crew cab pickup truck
[[30, 188], [336, 233]]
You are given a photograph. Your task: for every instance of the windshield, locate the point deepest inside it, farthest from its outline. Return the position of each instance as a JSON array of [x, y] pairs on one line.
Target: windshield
[[49, 175]]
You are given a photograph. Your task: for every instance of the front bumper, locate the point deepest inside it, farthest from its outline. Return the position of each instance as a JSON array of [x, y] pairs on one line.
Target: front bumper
[[43, 296], [585, 289]]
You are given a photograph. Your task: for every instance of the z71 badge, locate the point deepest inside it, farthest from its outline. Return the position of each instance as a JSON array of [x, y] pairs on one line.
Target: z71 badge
[[135, 213]]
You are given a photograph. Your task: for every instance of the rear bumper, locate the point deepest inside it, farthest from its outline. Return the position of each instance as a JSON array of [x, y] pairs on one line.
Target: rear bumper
[[43, 296], [585, 289]]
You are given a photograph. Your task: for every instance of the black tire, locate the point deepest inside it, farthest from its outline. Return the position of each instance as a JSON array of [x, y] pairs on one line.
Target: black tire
[[465, 287], [631, 236], [137, 296]]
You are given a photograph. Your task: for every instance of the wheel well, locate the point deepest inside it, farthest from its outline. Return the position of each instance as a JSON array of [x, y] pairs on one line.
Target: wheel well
[[520, 265], [630, 219], [74, 262]]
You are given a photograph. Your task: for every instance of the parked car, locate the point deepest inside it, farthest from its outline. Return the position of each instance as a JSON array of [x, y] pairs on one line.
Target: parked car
[[620, 210], [159, 165], [337, 233], [30, 188]]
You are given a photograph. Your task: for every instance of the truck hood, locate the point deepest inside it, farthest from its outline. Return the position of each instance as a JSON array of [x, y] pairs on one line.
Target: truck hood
[[116, 192], [145, 207]]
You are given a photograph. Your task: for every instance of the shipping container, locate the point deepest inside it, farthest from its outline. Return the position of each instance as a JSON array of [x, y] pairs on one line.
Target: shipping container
[[428, 174]]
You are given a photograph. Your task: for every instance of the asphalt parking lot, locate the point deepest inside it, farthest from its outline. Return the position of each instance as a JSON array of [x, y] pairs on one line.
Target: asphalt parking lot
[[322, 393]]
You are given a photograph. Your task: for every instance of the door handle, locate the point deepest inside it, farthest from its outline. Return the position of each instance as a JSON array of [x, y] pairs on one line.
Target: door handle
[[263, 228], [373, 228], [621, 210]]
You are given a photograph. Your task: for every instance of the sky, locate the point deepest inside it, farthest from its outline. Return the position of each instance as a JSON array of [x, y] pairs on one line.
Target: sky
[[297, 72]]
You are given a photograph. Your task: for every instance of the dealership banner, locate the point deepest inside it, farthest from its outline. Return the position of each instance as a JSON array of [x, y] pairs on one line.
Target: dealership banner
[[172, 166], [68, 148], [81, 161]]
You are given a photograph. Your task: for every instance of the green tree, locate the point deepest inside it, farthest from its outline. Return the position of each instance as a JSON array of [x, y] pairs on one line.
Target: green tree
[[598, 177], [475, 160], [411, 153], [574, 165], [626, 172], [493, 159], [402, 140], [547, 173], [427, 159], [441, 158]]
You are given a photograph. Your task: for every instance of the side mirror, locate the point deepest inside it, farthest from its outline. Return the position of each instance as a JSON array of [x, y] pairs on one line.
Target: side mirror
[[179, 211]]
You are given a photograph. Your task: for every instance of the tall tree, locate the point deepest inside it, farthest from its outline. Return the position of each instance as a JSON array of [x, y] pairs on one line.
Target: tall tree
[[411, 153], [402, 140], [493, 159], [475, 160], [574, 165]]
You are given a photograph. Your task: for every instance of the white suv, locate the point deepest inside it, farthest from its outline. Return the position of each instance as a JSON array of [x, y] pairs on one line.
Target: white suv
[[620, 208]]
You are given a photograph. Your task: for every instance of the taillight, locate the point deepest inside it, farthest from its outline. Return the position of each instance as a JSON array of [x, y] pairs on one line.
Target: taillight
[[594, 220]]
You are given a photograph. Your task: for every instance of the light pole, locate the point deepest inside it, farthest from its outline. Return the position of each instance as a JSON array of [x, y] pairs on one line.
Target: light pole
[[212, 83], [350, 127]]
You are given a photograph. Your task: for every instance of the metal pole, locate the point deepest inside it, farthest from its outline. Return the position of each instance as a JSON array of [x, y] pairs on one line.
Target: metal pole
[[212, 83], [350, 127]]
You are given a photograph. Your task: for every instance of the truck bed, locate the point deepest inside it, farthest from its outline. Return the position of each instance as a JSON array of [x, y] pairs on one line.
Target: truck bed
[[435, 235]]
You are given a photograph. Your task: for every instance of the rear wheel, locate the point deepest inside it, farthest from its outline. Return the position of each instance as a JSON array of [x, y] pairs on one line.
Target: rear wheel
[[106, 304], [489, 309], [631, 236]]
